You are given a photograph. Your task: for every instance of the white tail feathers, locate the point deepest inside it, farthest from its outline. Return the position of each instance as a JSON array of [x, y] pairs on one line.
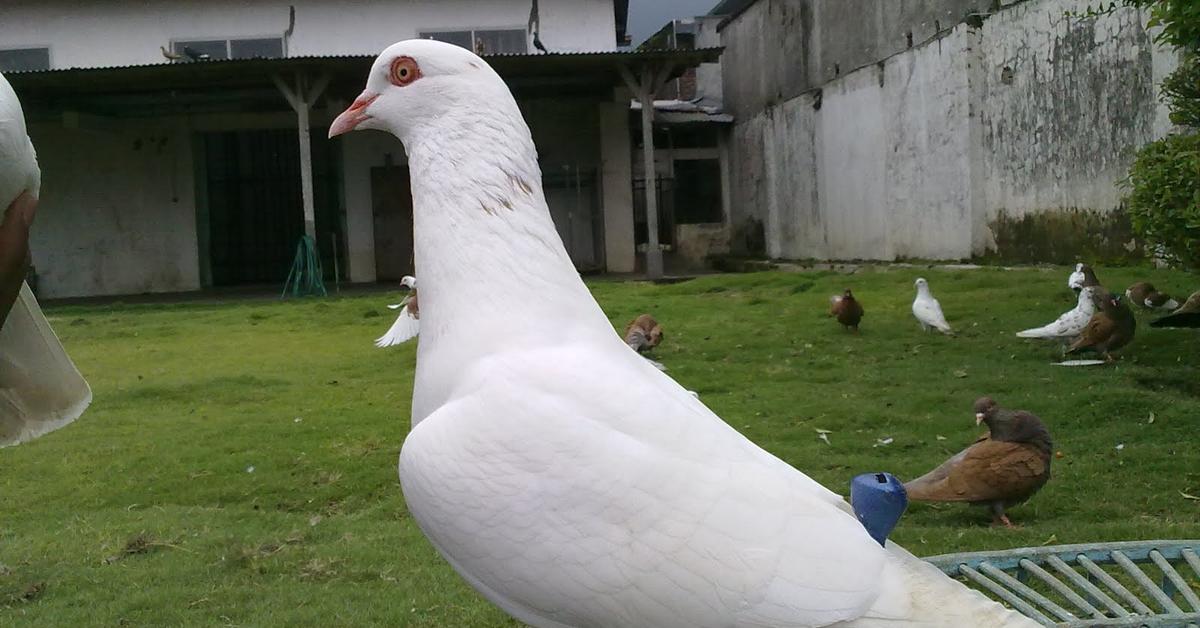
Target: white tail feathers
[[40, 388], [915, 593]]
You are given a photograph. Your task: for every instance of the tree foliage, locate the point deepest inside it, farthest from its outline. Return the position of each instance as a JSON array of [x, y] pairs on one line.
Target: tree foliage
[[1164, 197], [1164, 181]]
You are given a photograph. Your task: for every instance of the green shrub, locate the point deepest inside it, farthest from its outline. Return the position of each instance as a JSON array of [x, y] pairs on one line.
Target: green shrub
[[1181, 91], [1164, 197]]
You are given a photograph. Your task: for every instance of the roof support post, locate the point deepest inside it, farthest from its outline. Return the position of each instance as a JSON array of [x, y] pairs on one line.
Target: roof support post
[[301, 97], [644, 87]]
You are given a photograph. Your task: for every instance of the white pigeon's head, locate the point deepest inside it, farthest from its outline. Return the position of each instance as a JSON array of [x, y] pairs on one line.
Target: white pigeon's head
[[409, 282], [416, 82], [921, 283]]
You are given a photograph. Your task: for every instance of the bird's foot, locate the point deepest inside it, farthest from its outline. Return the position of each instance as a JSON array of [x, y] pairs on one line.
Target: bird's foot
[[1002, 520]]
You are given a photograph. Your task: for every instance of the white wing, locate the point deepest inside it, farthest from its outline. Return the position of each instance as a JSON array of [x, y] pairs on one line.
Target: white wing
[[929, 311], [40, 388], [633, 506], [404, 329], [1070, 324]]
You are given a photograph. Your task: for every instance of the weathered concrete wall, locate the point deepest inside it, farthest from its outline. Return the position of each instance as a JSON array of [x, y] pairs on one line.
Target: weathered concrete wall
[[1064, 105], [124, 223], [777, 49], [961, 144]]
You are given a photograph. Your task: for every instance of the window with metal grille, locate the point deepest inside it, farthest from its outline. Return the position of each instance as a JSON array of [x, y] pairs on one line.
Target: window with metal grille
[[208, 49], [24, 59], [484, 41]]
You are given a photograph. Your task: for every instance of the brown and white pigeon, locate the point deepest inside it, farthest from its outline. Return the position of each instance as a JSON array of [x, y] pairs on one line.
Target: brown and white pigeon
[[1188, 315], [846, 309], [1083, 277], [1001, 469], [1143, 294], [1111, 327]]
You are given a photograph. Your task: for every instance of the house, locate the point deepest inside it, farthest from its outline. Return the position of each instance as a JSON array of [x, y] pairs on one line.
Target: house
[[183, 142]]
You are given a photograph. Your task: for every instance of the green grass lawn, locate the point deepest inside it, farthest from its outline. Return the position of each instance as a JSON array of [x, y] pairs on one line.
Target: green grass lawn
[[238, 464]]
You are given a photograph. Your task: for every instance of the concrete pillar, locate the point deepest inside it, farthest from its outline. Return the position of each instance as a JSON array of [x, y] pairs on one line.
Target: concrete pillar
[[616, 176]]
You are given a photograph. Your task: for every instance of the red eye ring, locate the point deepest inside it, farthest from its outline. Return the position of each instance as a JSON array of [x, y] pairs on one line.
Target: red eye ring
[[404, 71]]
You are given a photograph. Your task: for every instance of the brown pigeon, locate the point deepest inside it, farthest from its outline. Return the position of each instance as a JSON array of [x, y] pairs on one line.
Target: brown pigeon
[[1001, 469], [1111, 327], [643, 333], [1188, 315], [846, 309], [1143, 294]]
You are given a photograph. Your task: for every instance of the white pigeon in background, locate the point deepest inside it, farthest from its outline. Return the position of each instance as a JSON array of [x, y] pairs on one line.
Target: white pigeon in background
[[927, 309], [561, 475], [408, 323], [40, 388], [1068, 326], [1076, 279]]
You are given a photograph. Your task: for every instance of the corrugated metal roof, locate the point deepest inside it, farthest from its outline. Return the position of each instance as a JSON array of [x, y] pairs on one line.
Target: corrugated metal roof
[[246, 84], [503, 59]]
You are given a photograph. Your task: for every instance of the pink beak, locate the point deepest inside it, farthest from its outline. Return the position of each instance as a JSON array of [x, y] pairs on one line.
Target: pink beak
[[352, 117]]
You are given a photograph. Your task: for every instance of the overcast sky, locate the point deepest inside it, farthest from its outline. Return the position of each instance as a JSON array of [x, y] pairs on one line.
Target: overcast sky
[[647, 16]]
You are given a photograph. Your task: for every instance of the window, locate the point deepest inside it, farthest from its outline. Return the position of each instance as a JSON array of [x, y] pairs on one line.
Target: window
[[24, 59], [484, 42], [206, 49], [697, 191]]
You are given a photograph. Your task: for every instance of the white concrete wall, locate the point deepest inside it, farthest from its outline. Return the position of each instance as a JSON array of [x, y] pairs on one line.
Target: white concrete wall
[[117, 213], [916, 156], [115, 33]]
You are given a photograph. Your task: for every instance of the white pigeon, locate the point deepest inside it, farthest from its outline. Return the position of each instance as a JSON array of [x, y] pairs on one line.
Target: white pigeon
[[1068, 326], [407, 324], [1076, 279], [927, 309], [560, 474], [40, 388]]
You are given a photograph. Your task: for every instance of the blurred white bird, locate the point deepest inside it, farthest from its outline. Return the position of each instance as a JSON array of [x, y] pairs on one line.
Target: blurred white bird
[[562, 476], [40, 388], [1068, 326], [407, 324], [927, 309]]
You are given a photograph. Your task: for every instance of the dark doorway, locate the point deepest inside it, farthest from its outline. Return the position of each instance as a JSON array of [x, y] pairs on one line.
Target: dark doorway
[[255, 210], [391, 205]]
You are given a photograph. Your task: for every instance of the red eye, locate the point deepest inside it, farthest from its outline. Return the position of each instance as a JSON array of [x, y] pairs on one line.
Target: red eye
[[404, 71]]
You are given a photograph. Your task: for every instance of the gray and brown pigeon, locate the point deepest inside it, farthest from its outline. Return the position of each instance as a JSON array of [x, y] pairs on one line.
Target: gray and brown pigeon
[[846, 309], [1000, 470], [1111, 327]]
